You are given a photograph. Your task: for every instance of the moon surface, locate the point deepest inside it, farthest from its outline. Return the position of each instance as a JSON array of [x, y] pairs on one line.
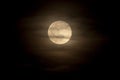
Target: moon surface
[[59, 32]]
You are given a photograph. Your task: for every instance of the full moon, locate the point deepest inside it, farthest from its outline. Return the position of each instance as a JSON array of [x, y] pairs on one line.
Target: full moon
[[59, 32]]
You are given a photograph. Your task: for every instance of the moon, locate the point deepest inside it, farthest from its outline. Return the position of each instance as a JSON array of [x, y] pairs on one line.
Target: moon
[[59, 32]]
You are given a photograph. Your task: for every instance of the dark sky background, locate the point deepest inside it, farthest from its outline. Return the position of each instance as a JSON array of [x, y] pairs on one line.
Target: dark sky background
[[21, 63]]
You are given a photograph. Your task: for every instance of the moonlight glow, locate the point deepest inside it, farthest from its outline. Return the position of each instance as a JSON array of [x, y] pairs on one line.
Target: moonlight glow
[[59, 32]]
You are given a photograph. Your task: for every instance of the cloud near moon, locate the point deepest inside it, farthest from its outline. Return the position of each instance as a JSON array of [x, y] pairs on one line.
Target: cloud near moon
[[79, 39]]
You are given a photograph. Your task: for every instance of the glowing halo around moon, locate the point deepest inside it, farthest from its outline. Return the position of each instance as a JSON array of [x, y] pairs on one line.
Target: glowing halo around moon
[[59, 32]]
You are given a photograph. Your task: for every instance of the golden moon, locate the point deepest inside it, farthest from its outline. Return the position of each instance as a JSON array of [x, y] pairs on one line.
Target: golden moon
[[59, 32]]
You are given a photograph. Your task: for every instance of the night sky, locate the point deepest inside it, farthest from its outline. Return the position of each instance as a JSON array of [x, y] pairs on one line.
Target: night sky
[[95, 18]]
